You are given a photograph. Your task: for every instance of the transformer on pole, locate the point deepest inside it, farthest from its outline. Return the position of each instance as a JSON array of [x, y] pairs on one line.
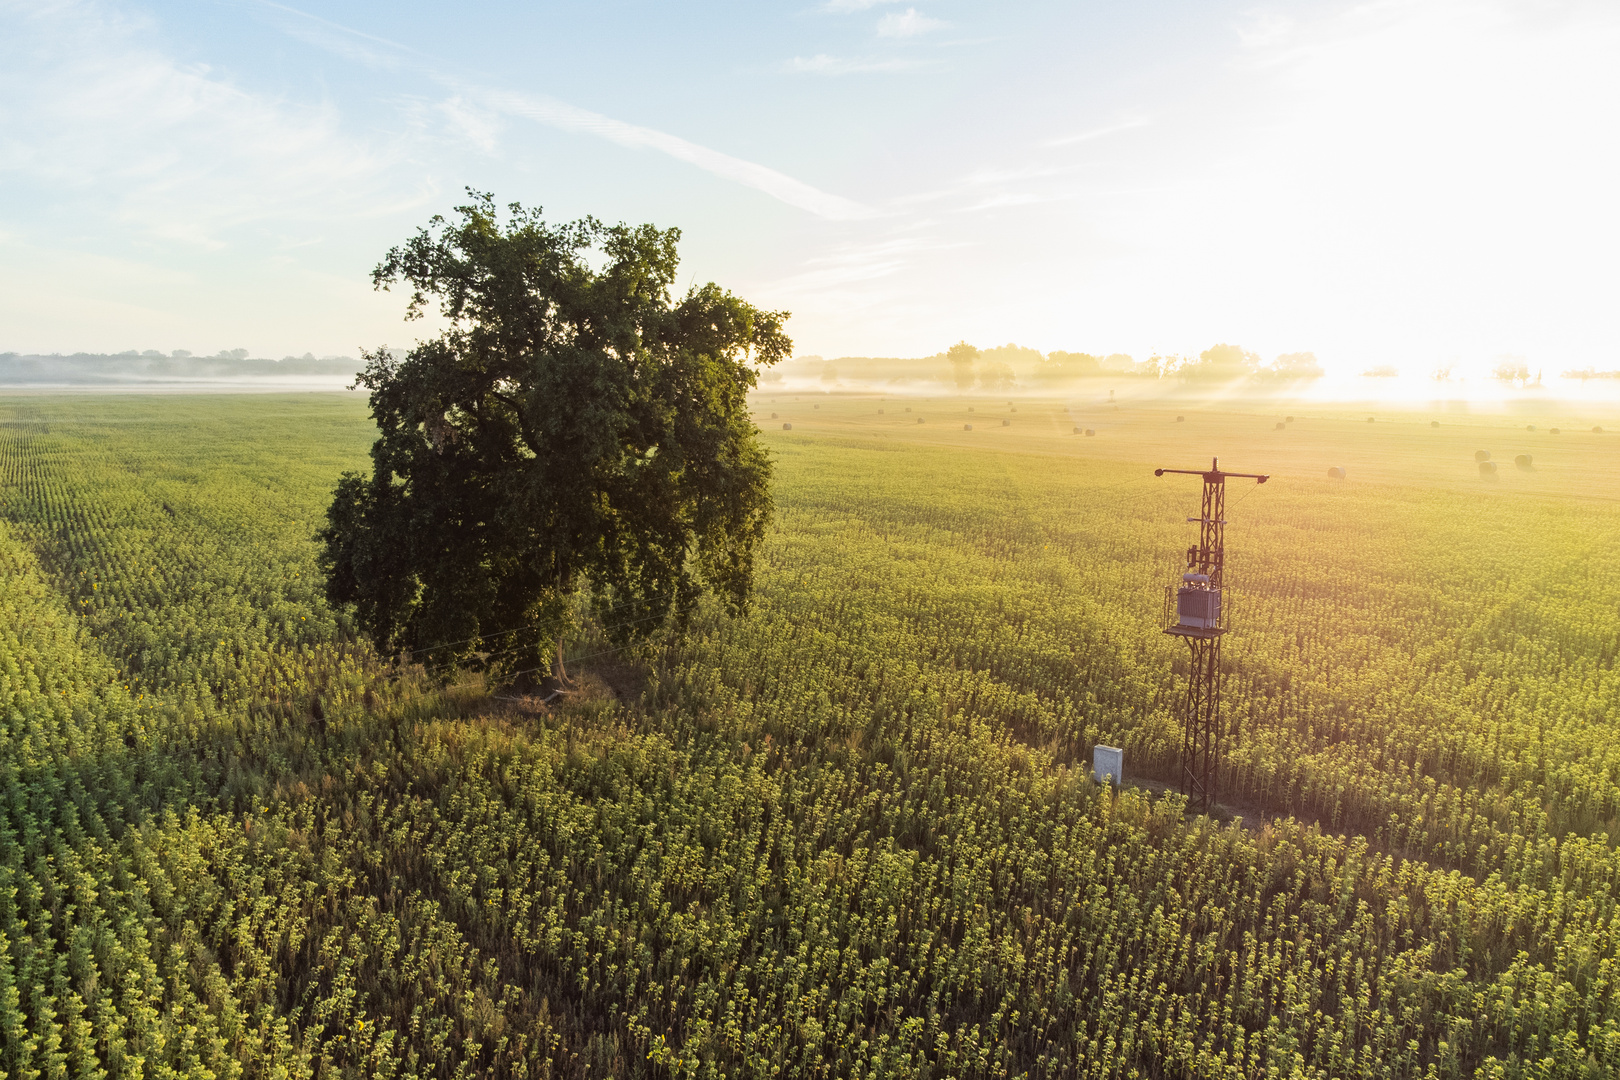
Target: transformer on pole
[[1199, 617]]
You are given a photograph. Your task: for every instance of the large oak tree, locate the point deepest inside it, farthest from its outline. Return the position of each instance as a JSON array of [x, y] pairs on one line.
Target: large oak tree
[[574, 439]]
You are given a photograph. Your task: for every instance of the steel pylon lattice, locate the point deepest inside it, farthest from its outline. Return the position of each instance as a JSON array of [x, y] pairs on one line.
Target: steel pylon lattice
[[1200, 618]]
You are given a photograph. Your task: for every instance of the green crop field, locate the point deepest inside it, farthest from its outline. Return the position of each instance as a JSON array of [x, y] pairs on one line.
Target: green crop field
[[852, 832]]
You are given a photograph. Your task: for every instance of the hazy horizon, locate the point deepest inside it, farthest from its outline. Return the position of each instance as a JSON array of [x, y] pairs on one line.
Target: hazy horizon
[[1008, 370]]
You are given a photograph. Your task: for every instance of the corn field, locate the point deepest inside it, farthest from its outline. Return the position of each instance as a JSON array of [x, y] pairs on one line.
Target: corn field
[[852, 833]]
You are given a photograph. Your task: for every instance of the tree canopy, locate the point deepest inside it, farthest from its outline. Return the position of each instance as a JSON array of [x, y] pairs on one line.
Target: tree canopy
[[996, 375], [1060, 366], [1221, 362], [574, 439], [1293, 366], [962, 355]]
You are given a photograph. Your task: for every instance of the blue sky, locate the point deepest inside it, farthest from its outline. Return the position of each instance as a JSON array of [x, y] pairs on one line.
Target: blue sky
[[1413, 182]]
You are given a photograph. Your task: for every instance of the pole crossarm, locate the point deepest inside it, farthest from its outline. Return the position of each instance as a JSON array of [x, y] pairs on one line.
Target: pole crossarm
[[1257, 477]]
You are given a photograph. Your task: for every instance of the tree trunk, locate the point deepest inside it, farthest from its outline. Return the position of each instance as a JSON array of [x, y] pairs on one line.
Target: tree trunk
[[562, 673]]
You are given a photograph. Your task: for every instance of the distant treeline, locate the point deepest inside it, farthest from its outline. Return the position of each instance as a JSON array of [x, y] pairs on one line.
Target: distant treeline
[[1010, 366], [151, 366]]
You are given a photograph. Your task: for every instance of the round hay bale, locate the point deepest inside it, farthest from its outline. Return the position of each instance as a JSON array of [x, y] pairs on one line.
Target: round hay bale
[[1006, 423], [1482, 455], [970, 408], [1015, 409], [1487, 468], [1523, 461], [1369, 419], [815, 406], [919, 419], [1078, 430], [1288, 419], [1336, 472], [773, 416], [967, 427], [880, 412], [1091, 431], [1597, 431], [787, 427], [1529, 427], [1552, 431], [1434, 423], [908, 408], [1281, 425], [1181, 419]]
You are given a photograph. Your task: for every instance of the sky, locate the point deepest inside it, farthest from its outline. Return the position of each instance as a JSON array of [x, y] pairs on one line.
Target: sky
[[1418, 183]]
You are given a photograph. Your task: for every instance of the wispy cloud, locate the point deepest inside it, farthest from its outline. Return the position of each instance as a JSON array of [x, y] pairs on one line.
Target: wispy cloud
[[1264, 30], [1003, 199], [907, 23], [368, 49], [822, 64], [1094, 133], [851, 268], [176, 150], [972, 186], [854, 5], [566, 117], [478, 125], [558, 114]]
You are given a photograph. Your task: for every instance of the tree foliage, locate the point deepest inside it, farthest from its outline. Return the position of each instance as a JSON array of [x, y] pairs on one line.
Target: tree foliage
[[962, 355], [996, 375], [1296, 365], [1059, 366], [1220, 363], [572, 430]]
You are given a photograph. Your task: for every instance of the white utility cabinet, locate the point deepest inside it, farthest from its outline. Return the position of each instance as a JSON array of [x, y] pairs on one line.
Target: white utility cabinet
[[1108, 762]]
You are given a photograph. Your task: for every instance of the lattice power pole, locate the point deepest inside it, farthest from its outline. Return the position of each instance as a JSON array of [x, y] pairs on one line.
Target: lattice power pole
[[1200, 619]]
